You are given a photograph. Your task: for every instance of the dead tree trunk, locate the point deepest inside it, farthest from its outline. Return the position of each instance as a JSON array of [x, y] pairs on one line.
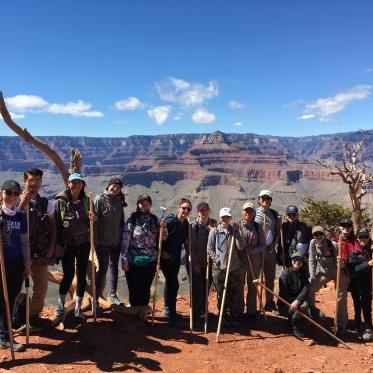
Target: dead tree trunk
[[352, 171]]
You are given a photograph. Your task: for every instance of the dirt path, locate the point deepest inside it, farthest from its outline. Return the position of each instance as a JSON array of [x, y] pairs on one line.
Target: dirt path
[[123, 343]]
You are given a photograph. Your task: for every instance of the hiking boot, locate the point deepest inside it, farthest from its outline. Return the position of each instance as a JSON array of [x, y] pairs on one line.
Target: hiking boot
[[166, 313], [79, 316], [17, 347], [316, 313], [273, 308], [176, 321], [251, 316], [235, 322], [59, 310], [37, 322], [99, 310], [368, 335], [115, 301], [297, 332], [226, 322], [341, 332]]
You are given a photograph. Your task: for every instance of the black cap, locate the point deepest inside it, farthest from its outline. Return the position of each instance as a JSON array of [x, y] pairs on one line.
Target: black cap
[[296, 256], [144, 197], [115, 180], [10, 184], [346, 221], [363, 232], [291, 210], [203, 205]]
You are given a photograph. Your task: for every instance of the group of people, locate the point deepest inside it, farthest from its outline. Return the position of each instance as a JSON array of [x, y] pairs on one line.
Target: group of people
[[36, 231]]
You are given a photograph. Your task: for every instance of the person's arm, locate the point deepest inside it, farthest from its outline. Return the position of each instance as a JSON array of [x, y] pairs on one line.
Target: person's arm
[[304, 292], [277, 229], [211, 249], [312, 260], [126, 237], [53, 232], [239, 240]]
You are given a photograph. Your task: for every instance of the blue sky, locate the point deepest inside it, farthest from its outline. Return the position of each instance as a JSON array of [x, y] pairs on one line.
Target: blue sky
[[119, 68]]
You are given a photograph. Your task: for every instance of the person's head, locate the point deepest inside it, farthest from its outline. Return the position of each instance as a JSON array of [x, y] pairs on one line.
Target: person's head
[[185, 207], [248, 212], [76, 183], [297, 260], [363, 237], [318, 233], [144, 203], [346, 226], [32, 179], [265, 198], [203, 209], [225, 215], [292, 213], [10, 192], [114, 186]]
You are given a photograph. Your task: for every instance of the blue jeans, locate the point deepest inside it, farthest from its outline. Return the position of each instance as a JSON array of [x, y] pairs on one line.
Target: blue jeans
[[106, 255]]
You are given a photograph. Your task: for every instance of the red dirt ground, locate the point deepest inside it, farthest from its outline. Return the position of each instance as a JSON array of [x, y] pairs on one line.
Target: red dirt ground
[[119, 342]]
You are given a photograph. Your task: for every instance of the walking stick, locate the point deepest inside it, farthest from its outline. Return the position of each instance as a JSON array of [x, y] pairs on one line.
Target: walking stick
[[337, 286], [93, 268], [191, 279], [6, 297], [225, 289], [304, 315], [207, 292], [263, 257], [27, 282], [282, 245], [158, 265]]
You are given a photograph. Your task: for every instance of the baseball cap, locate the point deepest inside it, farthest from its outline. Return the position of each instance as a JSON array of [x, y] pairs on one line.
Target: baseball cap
[[76, 176], [116, 181], [318, 228], [265, 192], [10, 184], [345, 222], [225, 211], [248, 205], [203, 205], [291, 210]]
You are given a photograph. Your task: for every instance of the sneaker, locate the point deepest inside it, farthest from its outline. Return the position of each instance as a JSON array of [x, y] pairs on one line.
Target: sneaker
[[115, 301], [341, 332], [176, 321], [166, 313], [79, 316], [99, 310], [59, 310], [317, 313], [297, 332], [368, 335], [17, 347]]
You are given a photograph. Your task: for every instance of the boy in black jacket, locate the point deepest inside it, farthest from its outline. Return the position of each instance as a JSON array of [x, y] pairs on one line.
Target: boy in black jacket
[[294, 288]]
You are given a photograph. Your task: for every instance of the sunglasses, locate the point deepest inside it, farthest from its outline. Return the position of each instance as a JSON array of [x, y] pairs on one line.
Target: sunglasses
[[362, 236], [293, 214], [10, 193], [317, 234], [186, 208], [346, 226]]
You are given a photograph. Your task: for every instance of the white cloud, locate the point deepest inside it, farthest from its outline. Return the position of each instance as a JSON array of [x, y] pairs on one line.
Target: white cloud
[[236, 105], [368, 70], [17, 116], [238, 124], [159, 114], [23, 103], [185, 93], [323, 108], [35, 104], [201, 115], [131, 103]]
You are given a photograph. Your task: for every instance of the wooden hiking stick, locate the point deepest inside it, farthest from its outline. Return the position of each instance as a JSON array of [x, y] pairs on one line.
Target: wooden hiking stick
[[207, 278], [304, 315], [225, 288], [27, 282], [263, 257], [282, 244], [190, 278], [93, 269], [158, 265], [337, 285], [6, 297]]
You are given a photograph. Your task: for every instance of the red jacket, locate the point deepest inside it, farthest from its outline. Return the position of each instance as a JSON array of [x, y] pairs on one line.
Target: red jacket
[[346, 248]]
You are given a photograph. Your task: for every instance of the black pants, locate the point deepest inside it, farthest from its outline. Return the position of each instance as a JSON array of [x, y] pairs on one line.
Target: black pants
[[199, 289], [14, 274], [139, 281], [170, 269], [81, 254], [361, 292]]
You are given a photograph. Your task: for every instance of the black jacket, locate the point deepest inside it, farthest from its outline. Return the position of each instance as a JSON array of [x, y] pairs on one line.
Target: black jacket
[[294, 284]]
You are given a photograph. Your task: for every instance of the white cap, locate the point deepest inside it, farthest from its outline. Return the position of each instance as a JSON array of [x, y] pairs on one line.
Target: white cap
[[225, 211], [265, 192]]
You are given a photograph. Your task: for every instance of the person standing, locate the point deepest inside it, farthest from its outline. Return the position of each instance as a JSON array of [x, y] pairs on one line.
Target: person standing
[[218, 247], [295, 235], [178, 231], [200, 228], [108, 207], [140, 250], [271, 228], [322, 266], [72, 225], [361, 284], [254, 242], [42, 236], [16, 248]]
